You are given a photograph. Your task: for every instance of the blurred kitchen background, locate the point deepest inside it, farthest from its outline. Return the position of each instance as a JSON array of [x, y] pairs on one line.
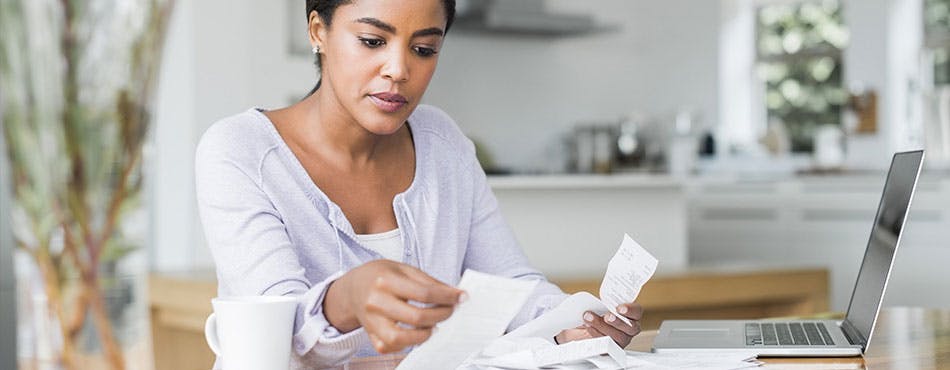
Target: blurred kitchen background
[[722, 134]]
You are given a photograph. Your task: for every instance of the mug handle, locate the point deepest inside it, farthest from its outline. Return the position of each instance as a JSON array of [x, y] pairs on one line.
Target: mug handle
[[211, 334]]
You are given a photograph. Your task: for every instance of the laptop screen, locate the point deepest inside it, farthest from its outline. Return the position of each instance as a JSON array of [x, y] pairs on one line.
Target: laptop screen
[[885, 234]]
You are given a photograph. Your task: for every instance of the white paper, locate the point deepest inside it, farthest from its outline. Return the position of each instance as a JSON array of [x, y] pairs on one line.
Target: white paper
[[697, 361], [505, 345], [531, 353], [606, 362], [492, 303], [568, 314], [630, 268], [579, 350], [531, 346]]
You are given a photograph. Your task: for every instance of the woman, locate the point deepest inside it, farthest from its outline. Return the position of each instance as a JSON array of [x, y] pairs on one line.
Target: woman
[[358, 199]]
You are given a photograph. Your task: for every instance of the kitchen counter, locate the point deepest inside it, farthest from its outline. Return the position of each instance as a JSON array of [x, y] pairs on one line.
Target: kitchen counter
[[592, 181], [570, 225], [658, 180]]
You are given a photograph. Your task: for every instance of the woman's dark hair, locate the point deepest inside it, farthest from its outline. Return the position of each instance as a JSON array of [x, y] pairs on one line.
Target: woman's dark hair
[[326, 8]]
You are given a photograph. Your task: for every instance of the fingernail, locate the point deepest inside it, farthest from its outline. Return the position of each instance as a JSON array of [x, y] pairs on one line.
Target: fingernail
[[588, 316], [622, 309], [609, 317], [463, 297]]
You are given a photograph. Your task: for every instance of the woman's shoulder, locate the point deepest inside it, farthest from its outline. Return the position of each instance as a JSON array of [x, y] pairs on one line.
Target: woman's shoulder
[[243, 136], [427, 119]]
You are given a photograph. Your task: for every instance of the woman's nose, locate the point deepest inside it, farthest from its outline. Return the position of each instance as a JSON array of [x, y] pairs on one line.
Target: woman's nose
[[396, 67]]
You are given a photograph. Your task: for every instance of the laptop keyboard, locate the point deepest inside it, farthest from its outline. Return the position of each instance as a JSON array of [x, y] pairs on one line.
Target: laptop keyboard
[[787, 334]]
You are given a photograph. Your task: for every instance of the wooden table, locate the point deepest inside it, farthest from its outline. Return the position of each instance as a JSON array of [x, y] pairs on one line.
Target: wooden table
[[904, 339], [180, 302]]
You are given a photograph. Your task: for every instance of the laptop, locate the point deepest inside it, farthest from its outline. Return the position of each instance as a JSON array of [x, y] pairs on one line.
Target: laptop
[[816, 338]]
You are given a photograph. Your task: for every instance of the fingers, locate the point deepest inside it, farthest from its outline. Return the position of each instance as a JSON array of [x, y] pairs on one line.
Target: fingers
[[633, 311], [419, 275], [400, 311], [631, 330], [432, 292], [605, 328], [385, 312], [429, 281], [387, 337], [569, 335]]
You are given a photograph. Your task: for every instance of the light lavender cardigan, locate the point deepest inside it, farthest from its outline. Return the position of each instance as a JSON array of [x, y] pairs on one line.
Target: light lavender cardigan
[[272, 231]]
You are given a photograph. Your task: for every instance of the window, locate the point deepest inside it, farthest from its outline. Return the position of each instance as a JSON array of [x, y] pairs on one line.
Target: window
[[937, 31], [799, 61]]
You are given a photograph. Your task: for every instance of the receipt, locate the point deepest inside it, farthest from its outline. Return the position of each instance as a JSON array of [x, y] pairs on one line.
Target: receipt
[[492, 303], [566, 315], [630, 268]]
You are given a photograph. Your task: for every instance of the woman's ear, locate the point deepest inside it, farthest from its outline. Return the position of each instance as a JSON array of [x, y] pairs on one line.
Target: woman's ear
[[317, 30]]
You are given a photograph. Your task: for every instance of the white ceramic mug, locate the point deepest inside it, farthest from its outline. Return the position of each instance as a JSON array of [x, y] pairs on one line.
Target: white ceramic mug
[[253, 332]]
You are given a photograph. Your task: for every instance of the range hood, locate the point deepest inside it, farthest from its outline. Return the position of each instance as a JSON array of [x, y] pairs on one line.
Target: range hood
[[529, 17]]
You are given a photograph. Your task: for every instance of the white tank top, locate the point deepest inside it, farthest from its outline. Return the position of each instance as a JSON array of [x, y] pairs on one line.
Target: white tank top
[[388, 244]]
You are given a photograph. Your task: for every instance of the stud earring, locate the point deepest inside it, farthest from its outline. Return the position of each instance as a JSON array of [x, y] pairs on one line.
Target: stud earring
[[316, 49]]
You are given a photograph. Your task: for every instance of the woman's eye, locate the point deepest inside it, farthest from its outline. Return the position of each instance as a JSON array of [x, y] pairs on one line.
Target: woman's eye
[[372, 43], [426, 52]]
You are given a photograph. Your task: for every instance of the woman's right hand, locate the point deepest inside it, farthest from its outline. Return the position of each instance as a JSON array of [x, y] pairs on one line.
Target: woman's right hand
[[376, 296]]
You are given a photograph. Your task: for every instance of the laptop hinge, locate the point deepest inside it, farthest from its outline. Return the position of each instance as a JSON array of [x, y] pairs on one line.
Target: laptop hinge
[[853, 335]]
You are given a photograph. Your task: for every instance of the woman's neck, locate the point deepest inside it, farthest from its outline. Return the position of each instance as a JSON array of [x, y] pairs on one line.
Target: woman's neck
[[325, 128]]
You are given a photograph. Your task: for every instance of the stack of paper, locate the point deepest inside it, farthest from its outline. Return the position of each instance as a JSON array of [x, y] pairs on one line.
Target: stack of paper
[[531, 353], [694, 361], [596, 353], [470, 338]]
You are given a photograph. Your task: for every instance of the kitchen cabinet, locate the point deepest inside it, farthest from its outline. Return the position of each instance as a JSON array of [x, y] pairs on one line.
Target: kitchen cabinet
[[822, 221]]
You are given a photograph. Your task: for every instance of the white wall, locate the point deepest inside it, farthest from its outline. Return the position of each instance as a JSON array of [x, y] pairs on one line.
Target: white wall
[[514, 94], [883, 56], [517, 94], [222, 57]]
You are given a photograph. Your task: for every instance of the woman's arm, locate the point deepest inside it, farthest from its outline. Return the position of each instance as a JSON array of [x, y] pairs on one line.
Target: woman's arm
[[253, 253], [493, 248], [255, 256]]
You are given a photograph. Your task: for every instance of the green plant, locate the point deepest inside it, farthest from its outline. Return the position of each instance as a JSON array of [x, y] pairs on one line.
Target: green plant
[[76, 78]]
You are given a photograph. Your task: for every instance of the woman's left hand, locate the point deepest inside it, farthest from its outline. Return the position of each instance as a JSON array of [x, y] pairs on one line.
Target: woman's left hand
[[607, 325]]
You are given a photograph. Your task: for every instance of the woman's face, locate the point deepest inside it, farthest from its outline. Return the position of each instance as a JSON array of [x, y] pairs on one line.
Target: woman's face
[[378, 57]]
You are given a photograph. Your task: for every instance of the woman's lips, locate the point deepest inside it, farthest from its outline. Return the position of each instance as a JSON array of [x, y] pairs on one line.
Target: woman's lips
[[388, 102]]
